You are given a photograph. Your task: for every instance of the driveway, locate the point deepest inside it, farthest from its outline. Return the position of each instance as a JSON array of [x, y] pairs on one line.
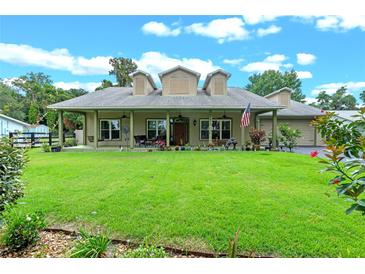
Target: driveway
[[308, 150]]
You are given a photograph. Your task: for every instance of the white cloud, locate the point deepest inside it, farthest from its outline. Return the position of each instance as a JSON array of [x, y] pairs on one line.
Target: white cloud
[[224, 30], [270, 30], [272, 62], [233, 62], [257, 19], [89, 86], [331, 88], [340, 23], [304, 74], [59, 59], [305, 58], [155, 62], [159, 29]]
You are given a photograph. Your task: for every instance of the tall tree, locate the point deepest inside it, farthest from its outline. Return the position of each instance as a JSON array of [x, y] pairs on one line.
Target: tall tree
[[10, 102], [121, 68], [104, 84], [340, 100], [271, 80], [362, 97]]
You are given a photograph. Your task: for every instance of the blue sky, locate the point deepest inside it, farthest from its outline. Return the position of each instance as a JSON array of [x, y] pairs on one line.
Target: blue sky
[[328, 51]]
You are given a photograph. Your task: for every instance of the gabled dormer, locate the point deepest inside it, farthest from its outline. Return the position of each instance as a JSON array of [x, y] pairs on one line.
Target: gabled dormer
[[142, 83], [281, 96], [216, 82], [179, 81]]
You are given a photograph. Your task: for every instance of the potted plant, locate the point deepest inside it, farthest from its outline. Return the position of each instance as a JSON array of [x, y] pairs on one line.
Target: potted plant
[[248, 145], [257, 136]]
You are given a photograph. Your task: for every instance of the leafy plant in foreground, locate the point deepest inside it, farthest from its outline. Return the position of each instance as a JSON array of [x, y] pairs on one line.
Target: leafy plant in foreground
[[90, 246], [21, 230], [12, 162], [232, 245], [289, 136], [146, 251]]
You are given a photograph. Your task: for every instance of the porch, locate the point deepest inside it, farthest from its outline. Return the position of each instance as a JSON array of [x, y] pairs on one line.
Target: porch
[[153, 128]]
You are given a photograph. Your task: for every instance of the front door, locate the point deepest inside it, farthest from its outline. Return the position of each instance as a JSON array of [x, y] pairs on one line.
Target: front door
[[179, 133]]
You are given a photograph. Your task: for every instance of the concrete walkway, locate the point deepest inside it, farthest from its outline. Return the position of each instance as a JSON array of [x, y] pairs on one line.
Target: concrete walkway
[[308, 150]]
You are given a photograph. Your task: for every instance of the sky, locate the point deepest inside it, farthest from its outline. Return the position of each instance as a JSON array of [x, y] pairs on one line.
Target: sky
[[326, 51]]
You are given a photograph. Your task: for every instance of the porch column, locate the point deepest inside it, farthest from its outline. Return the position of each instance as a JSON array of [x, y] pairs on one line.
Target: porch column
[[60, 128], [243, 137], [315, 136], [85, 130], [210, 127], [257, 119], [96, 128], [131, 130], [167, 129], [274, 128]]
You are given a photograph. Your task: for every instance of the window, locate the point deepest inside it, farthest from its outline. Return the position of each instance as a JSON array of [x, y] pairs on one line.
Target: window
[[109, 129], [155, 127], [221, 129]]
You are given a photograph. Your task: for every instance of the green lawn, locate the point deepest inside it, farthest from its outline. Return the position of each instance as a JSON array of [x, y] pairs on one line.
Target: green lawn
[[197, 200]]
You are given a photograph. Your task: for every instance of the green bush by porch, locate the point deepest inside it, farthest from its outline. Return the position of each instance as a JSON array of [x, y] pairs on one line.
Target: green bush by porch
[[197, 200]]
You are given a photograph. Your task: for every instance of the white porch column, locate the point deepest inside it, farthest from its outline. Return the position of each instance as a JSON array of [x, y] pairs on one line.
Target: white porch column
[[96, 129], [274, 128], [131, 129], [243, 137], [257, 119], [85, 129], [210, 127], [60, 128], [167, 129]]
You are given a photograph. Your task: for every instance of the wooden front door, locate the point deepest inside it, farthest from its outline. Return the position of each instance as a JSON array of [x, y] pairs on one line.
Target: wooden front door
[[180, 133]]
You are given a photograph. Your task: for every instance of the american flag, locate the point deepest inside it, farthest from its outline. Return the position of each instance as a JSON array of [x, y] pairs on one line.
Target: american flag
[[245, 119]]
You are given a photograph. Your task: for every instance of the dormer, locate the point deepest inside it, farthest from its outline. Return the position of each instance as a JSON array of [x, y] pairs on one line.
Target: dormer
[[216, 82], [179, 81], [281, 96], [142, 83]]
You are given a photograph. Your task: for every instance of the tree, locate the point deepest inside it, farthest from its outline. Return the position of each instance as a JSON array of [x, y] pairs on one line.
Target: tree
[[122, 68], [105, 84], [289, 136], [10, 102], [272, 80], [362, 97], [340, 100]]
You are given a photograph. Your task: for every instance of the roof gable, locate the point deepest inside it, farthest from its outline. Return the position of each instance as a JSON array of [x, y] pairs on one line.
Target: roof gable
[[210, 75], [162, 74]]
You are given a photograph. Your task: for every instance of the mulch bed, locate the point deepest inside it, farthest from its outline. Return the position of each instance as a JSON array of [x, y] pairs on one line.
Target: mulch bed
[[57, 243]]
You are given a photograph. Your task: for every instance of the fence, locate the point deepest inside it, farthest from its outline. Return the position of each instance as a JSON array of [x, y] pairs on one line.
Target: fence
[[34, 139]]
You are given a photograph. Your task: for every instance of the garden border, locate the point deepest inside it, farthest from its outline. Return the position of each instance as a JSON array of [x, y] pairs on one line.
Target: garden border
[[167, 248]]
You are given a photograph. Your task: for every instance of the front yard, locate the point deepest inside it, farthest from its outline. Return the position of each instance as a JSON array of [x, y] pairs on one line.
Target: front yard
[[196, 200]]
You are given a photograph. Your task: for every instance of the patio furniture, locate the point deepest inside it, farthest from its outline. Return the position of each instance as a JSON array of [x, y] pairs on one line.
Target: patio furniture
[[231, 141], [141, 140]]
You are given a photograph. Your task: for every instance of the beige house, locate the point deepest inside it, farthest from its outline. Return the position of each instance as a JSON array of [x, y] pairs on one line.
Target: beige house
[[178, 113]]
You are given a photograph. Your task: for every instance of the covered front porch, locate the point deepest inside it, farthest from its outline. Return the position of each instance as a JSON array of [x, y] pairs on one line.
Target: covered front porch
[[151, 128]]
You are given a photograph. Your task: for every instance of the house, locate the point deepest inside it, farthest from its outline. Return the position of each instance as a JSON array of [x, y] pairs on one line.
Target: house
[[178, 113], [346, 115], [8, 124], [296, 115], [41, 129]]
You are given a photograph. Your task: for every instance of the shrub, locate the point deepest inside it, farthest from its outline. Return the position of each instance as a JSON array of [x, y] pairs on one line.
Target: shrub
[[70, 142], [46, 147], [289, 136], [12, 162], [345, 157], [21, 230], [90, 246], [257, 136], [146, 251]]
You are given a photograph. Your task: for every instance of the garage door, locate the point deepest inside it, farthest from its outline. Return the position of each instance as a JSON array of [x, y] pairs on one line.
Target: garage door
[[307, 131]]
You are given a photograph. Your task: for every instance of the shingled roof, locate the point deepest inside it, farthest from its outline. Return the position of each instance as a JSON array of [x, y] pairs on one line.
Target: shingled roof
[[122, 98], [296, 109]]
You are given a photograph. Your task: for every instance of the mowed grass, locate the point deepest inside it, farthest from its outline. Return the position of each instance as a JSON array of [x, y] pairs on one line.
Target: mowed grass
[[197, 200]]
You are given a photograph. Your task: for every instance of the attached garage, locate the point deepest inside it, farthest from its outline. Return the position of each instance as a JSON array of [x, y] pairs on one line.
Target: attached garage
[[296, 115]]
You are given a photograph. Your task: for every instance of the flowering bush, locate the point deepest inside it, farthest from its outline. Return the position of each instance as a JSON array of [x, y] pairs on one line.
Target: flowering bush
[[345, 157], [12, 162], [289, 136], [257, 136], [21, 230]]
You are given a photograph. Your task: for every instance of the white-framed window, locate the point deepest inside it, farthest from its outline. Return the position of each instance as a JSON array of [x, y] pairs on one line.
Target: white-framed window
[[222, 129], [155, 127], [109, 129]]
